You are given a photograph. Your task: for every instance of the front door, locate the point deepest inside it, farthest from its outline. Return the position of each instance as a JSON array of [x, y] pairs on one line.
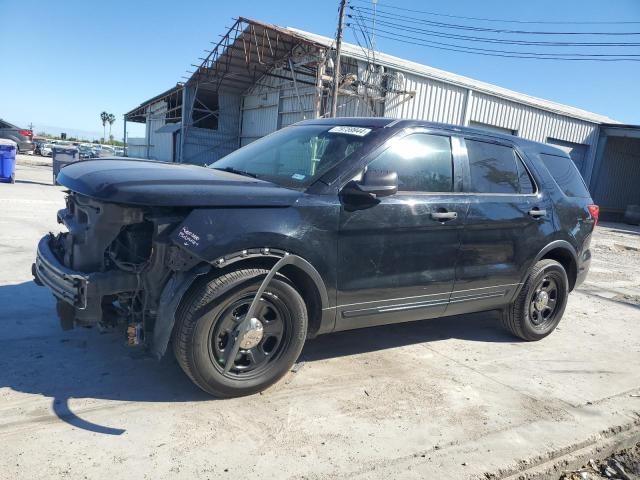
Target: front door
[[397, 254]]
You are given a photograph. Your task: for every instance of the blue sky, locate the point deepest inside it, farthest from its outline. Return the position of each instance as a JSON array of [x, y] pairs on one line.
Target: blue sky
[[62, 63]]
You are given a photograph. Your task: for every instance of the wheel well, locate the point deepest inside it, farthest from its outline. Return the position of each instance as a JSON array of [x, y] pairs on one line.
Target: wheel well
[[564, 258], [300, 280]]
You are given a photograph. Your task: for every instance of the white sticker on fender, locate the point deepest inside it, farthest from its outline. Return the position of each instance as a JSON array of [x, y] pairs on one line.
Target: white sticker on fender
[[188, 237], [357, 131]]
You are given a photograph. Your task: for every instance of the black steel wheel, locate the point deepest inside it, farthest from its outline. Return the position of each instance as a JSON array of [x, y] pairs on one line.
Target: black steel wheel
[[271, 333], [225, 352], [541, 302]]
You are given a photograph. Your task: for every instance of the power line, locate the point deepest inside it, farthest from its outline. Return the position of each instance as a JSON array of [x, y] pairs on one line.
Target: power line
[[499, 53], [458, 26], [502, 20], [436, 33]]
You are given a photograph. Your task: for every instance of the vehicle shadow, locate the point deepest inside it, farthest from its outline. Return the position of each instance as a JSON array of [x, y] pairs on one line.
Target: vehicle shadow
[[39, 358], [477, 327]]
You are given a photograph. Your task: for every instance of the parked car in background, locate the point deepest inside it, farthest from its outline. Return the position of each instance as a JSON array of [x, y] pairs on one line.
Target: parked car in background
[[323, 226], [85, 151], [107, 151], [46, 149], [37, 143], [22, 136]]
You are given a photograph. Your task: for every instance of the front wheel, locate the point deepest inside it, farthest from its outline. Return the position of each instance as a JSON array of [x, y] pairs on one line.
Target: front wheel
[[540, 304], [227, 354]]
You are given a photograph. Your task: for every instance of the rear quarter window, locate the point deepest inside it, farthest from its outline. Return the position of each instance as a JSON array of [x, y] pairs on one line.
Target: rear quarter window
[[566, 175]]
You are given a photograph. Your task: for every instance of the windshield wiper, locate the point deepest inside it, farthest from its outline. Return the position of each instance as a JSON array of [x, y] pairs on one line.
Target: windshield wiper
[[237, 172]]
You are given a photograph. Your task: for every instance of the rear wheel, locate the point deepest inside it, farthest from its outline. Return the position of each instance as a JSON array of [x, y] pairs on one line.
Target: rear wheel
[[540, 304], [212, 320]]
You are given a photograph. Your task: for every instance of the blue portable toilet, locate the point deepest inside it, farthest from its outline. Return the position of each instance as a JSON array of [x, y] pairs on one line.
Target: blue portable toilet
[[8, 161]]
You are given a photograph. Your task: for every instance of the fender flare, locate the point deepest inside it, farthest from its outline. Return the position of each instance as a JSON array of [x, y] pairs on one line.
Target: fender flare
[[170, 298], [563, 244], [556, 244], [180, 282]]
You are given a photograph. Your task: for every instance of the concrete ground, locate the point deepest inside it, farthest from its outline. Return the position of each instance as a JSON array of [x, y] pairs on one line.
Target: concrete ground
[[449, 398]]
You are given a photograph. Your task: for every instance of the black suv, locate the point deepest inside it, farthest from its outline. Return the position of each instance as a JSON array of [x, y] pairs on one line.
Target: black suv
[[324, 226]]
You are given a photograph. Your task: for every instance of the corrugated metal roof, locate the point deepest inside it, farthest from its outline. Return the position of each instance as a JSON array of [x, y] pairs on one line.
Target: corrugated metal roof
[[402, 65]]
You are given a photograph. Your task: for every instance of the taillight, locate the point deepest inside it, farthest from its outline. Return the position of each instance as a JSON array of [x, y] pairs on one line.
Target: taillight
[[594, 210], [26, 133]]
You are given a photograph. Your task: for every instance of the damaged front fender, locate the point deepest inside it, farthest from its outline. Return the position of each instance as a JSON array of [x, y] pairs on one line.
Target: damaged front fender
[[172, 294]]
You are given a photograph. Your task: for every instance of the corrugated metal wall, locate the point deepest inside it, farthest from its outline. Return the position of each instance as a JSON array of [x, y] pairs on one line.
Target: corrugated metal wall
[[137, 147], [260, 117], [433, 101], [531, 123], [442, 102], [618, 182], [273, 103], [203, 146], [160, 144]]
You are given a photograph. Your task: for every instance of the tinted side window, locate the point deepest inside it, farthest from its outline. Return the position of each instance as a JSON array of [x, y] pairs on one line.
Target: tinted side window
[[566, 175], [492, 168], [423, 163]]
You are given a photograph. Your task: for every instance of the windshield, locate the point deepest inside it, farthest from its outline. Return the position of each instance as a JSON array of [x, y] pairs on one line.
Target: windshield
[[295, 156]]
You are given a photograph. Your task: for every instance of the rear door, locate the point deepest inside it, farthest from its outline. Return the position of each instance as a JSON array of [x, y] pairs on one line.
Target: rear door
[[508, 222], [397, 254]]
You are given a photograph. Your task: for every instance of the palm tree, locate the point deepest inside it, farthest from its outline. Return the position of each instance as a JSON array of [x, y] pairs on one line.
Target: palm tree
[[104, 116], [111, 119]]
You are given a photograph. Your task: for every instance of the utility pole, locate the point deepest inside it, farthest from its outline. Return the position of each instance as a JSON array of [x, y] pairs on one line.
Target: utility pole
[[336, 67]]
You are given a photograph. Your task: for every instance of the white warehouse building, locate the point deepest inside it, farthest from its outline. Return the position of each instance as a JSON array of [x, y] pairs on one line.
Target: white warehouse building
[[262, 77]]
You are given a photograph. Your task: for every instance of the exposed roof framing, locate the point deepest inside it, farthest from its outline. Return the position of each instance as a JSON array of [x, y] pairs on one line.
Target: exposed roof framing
[[249, 50], [173, 97]]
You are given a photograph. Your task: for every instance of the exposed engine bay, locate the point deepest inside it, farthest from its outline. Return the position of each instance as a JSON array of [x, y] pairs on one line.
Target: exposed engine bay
[[126, 256]]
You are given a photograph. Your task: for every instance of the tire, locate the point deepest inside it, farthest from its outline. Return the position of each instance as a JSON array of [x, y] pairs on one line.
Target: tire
[[210, 309], [528, 316]]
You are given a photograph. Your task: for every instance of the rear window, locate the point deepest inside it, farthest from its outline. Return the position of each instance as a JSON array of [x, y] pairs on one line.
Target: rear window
[[493, 168], [566, 175]]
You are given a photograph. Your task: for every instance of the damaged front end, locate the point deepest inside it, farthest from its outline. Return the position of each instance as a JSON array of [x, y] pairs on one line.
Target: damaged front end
[[109, 269]]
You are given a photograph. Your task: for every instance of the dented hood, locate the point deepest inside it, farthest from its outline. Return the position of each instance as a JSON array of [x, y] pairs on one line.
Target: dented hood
[[159, 184]]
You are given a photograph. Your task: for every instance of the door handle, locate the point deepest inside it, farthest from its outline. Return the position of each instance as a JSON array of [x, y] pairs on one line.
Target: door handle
[[537, 213], [444, 216]]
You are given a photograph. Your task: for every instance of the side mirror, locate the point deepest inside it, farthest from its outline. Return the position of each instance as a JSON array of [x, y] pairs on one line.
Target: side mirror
[[380, 183]]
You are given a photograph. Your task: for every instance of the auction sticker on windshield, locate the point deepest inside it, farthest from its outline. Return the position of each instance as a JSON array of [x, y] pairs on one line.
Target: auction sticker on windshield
[[357, 131]]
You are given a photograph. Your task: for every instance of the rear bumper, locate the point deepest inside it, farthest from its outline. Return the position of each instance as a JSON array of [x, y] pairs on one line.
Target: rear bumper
[[583, 267], [81, 291]]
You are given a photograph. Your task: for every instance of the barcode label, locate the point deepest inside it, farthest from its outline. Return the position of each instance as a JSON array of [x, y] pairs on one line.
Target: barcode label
[[357, 131]]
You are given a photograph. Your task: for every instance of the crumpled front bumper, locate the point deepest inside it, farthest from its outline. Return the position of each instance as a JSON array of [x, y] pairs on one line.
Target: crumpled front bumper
[[65, 284], [79, 294]]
